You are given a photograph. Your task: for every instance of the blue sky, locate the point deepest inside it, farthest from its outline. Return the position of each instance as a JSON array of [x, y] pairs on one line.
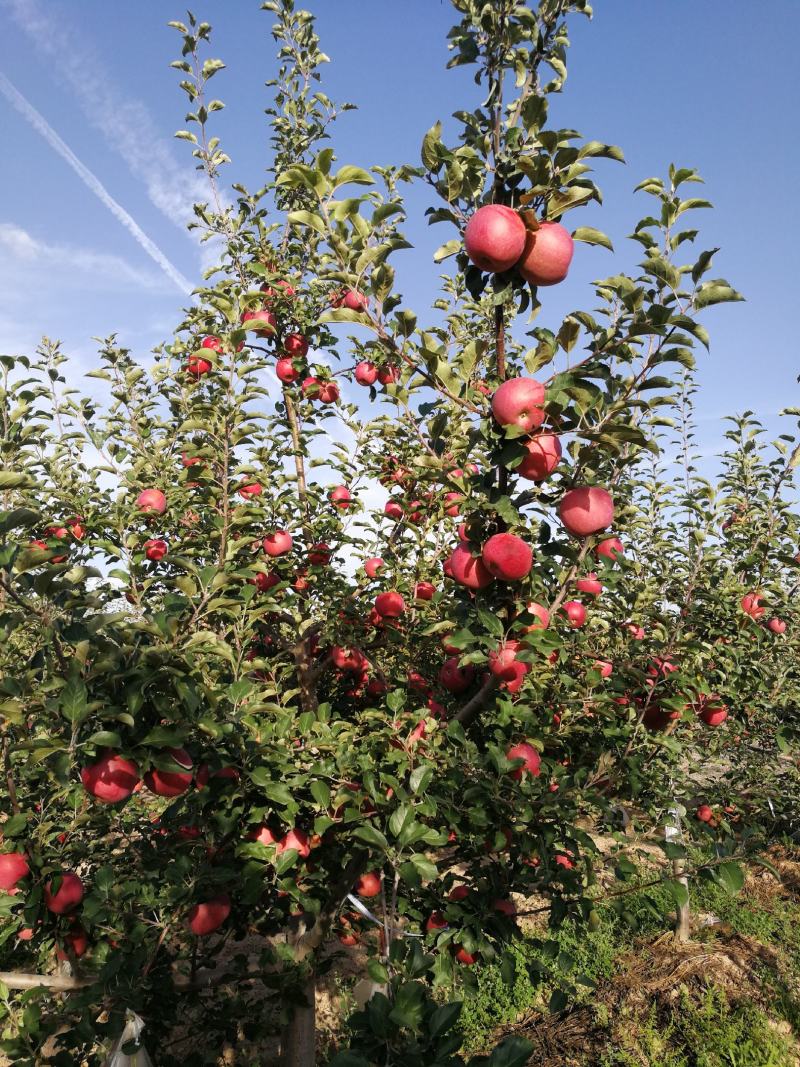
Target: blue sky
[[701, 84]]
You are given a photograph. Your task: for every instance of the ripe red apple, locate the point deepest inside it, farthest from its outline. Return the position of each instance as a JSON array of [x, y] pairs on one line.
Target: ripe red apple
[[13, 868], [264, 319], [111, 779], [542, 456], [204, 773], [197, 366], [604, 667], [589, 585], [453, 501], [494, 238], [251, 490], [658, 719], [751, 605], [503, 661], [277, 543], [152, 500], [505, 907], [326, 392], [469, 570], [295, 345], [76, 941], [190, 461], [436, 921], [155, 549], [542, 616], [778, 626], [347, 659], [704, 813], [264, 582], [297, 840], [263, 835], [368, 885], [609, 548], [531, 760], [286, 370], [366, 372], [393, 510], [547, 254], [586, 510], [171, 783], [564, 861], [507, 557], [319, 555], [575, 612], [711, 710], [212, 342], [466, 958], [390, 605], [340, 497], [424, 591], [454, 678], [287, 289], [205, 918], [76, 527], [372, 566], [352, 299], [68, 895], [518, 402]]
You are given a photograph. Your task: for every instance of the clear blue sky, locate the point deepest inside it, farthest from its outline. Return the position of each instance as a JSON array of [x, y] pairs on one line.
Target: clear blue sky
[[708, 85]]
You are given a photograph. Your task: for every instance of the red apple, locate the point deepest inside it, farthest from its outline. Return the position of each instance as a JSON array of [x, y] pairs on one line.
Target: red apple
[[454, 678], [319, 555], [390, 605], [424, 591], [751, 605], [340, 497], [711, 710], [366, 372], [288, 290], [542, 456], [531, 760], [171, 783], [586, 510], [111, 779], [542, 616], [152, 500], [197, 366], [352, 299], [205, 918], [277, 543], [458, 893], [68, 895], [575, 612], [604, 667], [155, 549], [778, 626], [518, 402], [372, 566], [13, 868], [264, 319], [436, 921], [368, 885], [469, 570], [505, 907], [547, 254], [503, 661], [466, 958], [704, 813], [251, 490], [347, 659], [264, 582], [393, 510], [297, 840], [589, 585], [212, 342], [76, 941], [286, 370], [295, 345], [263, 835], [494, 238], [507, 557], [609, 548]]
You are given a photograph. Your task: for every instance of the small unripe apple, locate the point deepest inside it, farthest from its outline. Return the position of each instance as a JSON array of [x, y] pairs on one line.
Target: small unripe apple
[[494, 238], [469, 570], [531, 760], [589, 584], [340, 497], [575, 612], [547, 254], [518, 402], [586, 510], [295, 345], [68, 895], [171, 783], [13, 868], [368, 885], [205, 918], [152, 500], [609, 548], [372, 566], [424, 591], [507, 557], [454, 678], [542, 456], [278, 543], [286, 370], [390, 605], [366, 373], [111, 779], [155, 549]]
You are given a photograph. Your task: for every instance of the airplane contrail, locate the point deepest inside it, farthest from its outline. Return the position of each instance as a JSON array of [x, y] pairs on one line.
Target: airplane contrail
[[92, 182]]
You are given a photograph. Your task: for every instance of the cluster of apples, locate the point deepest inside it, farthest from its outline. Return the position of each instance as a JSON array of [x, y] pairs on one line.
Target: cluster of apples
[[497, 239], [752, 607], [73, 528]]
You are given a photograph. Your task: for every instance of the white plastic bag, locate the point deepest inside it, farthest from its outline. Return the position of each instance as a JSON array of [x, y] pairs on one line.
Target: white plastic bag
[[132, 1032]]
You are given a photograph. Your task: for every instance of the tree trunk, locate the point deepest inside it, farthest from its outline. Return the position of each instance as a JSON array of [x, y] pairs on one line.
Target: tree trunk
[[299, 1039], [682, 915]]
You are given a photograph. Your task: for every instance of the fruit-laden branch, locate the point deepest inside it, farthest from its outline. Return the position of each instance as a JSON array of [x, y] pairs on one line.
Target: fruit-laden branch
[[312, 939]]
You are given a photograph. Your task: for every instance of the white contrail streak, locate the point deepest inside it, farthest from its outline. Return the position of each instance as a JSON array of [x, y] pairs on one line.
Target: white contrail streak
[[91, 181]]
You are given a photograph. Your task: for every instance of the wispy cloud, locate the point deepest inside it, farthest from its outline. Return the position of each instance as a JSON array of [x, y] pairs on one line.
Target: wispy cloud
[[91, 181], [125, 123], [28, 253]]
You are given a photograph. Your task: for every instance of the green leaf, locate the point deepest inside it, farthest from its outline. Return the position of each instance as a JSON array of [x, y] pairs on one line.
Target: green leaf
[[409, 1005], [449, 248], [715, 292], [343, 315], [13, 479], [377, 971], [420, 778], [426, 868], [678, 891], [431, 141], [730, 876], [590, 236], [517, 1051], [321, 793], [444, 1018], [307, 218], [350, 175], [371, 835], [73, 700]]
